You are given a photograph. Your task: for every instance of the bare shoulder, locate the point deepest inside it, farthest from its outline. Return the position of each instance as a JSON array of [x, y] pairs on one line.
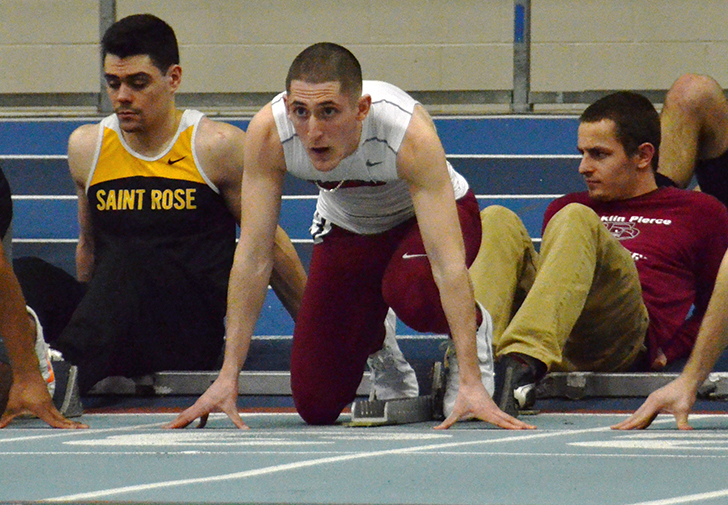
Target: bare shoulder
[[81, 149], [421, 125], [216, 137], [263, 123], [219, 147], [421, 146], [263, 144]]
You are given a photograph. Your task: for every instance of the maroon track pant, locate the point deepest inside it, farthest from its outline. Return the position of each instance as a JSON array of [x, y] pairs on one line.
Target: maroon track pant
[[353, 279]]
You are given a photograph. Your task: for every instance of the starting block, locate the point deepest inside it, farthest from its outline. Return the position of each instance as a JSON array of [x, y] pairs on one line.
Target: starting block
[[581, 385], [67, 397], [367, 413]]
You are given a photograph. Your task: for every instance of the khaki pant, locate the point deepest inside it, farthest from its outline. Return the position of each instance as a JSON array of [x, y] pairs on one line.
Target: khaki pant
[[576, 307]]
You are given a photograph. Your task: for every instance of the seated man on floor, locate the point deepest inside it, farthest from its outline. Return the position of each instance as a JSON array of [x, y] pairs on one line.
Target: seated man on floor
[[625, 272], [695, 143], [158, 199]]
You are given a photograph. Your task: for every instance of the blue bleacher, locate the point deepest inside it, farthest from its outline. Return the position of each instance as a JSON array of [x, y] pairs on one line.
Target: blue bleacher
[[519, 162]]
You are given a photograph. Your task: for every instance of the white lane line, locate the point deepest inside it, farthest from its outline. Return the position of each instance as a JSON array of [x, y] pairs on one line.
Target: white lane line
[[311, 463], [425, 454], [33, 156], [18, 198], [70, 433], [45, 240], [693, 498], [660, 445], [514, 156], [507, 196], [575, 455], [192, 452], [333, 459]]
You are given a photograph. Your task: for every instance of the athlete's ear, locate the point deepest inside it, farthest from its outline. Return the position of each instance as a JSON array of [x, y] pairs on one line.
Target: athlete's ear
[[645, 153], [363, 105], [174, 76]]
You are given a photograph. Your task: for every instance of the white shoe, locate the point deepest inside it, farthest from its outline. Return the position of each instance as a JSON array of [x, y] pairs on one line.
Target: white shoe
[[391, 375], [484, 341], [43, 351]]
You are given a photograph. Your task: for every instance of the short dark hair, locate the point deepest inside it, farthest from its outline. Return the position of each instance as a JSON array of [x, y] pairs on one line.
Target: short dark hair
[[327, 62], [143, 34], [635, 118]]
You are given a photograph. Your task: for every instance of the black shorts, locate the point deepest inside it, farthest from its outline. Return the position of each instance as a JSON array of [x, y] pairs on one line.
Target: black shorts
[[142, 313], [712, 176]]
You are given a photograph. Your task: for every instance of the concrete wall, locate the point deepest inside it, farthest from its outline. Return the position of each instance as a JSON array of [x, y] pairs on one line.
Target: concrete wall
[[618, 44], [246, 46], [243, 46]]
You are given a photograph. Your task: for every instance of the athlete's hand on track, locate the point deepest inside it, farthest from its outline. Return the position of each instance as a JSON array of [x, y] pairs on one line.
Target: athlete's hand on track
[[221, 396], [676, 398], [475, 402], [30, 396]]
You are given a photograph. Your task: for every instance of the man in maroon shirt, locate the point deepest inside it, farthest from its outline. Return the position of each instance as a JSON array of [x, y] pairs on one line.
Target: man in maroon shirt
[[626, 269], [695, 132]]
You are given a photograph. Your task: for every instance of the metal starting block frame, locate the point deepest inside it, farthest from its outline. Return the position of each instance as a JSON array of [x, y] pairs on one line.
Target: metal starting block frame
[[66, 397], [573, 385], [193, 383], [367, 413], [579, 385]]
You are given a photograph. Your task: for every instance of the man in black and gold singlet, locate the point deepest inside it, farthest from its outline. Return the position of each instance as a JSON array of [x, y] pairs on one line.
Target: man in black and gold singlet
[[158, 201]]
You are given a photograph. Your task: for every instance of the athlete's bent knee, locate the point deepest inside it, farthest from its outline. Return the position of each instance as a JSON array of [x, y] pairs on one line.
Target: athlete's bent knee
[[693, 93], [575, 213], [317, 412], [497, 215], [315, 409]]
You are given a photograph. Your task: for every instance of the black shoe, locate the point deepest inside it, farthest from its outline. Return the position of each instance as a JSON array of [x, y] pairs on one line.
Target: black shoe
[[516, 376]]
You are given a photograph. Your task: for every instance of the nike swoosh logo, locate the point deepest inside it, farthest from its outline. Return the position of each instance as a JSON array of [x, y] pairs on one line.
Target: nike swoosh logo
[[407, 256], [172, 162], [370, 164]]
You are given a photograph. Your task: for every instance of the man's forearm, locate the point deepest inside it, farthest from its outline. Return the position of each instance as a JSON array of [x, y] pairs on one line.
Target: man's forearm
[[84, 260], [458, 302], [14, 322], [288, 278], [713, 335], [246, 294]]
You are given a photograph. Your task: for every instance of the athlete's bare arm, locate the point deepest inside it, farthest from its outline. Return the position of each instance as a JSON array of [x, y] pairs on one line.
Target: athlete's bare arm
[[28, 393], [678, 397], [288, 278], [220, 148], [261, 196], [421, 162], [81, 149]]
